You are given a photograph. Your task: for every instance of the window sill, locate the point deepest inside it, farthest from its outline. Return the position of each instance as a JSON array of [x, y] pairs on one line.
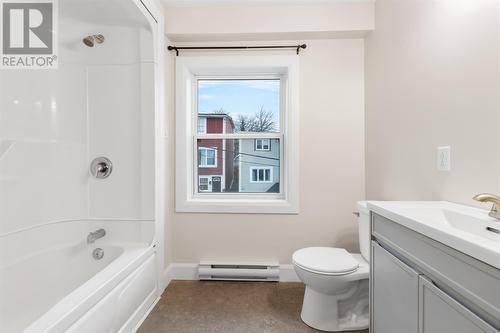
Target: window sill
[[237, 206]]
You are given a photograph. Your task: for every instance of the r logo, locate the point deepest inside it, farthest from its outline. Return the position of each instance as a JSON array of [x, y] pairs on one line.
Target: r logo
[[27, 28]]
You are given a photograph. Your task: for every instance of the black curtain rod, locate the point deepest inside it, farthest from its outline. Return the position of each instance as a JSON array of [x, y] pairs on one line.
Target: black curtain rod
[[176, 48]]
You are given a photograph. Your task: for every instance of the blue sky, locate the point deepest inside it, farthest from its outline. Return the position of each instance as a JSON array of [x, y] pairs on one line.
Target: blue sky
[[239, 96]]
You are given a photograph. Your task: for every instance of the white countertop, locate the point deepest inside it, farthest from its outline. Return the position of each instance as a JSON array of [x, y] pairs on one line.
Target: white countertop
[[457, 226]]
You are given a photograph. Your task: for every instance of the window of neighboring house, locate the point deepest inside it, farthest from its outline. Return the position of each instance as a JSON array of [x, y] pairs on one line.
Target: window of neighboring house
[[231, 110], [261, 175], [263, 144], [207, 157], [202, 125]]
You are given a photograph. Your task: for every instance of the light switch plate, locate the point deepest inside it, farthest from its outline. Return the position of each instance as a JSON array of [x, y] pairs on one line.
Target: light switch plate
[[443, 158]]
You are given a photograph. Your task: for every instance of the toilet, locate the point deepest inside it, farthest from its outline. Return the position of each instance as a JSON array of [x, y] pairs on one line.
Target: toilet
[[336, 295]]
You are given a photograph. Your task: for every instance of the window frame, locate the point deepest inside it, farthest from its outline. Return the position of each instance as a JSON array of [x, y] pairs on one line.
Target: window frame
[[188, 71], [264, 173], [262, 145], [204, 126], [208, 183], [279, 135], [208, 166]]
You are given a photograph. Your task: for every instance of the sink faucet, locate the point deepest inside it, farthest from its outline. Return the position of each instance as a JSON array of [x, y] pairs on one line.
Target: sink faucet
[[93, 236], [486, 197]]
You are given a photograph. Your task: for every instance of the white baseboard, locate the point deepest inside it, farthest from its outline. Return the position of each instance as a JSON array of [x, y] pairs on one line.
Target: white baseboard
[[287, 274], [189, 271]]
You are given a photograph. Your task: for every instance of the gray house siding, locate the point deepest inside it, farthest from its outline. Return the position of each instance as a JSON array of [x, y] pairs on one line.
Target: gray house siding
[[251, 159]]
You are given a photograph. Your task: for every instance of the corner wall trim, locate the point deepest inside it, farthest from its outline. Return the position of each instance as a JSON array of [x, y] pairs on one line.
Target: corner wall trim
[[189, 271]]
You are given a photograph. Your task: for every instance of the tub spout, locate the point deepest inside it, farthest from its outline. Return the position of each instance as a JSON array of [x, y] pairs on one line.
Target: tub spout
[[93, 236]]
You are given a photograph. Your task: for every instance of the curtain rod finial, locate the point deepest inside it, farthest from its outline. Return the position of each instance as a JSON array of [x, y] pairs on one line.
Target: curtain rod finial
[[301, 46], [172, 48]]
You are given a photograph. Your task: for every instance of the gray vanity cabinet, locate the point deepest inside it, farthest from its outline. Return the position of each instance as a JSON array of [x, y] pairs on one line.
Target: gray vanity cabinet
[[440, 313], [418, 285], [395, 298]]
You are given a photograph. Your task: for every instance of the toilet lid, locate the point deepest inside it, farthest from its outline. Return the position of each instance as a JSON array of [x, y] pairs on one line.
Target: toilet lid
[[327, 260]]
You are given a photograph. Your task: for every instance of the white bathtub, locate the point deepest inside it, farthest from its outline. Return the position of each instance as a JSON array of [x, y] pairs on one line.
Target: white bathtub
[[57, 286]]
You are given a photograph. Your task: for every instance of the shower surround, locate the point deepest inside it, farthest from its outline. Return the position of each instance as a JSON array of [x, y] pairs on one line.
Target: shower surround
[[101, 101]]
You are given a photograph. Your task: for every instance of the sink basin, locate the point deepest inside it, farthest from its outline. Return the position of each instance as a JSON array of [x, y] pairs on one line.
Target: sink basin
[[466, 229], [473, 225]]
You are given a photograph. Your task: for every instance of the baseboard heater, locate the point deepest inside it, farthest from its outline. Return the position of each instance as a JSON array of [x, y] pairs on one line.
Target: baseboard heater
[[239, 272]]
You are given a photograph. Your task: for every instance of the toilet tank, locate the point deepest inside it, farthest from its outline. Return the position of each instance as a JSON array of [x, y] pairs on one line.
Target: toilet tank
[[364, 229]]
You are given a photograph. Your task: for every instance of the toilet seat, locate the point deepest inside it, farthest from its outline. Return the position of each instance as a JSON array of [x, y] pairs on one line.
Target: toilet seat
[[325, 260]]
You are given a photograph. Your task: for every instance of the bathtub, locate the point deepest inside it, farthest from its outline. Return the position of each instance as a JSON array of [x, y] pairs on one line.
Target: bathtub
[[56, 285]]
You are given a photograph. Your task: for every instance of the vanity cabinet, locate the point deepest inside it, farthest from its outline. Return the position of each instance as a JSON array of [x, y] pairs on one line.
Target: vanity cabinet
[[395, 294], [440, 313], [418, 285]]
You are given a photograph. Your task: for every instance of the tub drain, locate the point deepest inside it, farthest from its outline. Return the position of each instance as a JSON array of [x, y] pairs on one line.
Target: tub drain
[[98, 253]]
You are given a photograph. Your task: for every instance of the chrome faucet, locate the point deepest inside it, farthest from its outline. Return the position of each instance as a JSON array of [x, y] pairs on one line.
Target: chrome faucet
[[93, 236], [486, 197]]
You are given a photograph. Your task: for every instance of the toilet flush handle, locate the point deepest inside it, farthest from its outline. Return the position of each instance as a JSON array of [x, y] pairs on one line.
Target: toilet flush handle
[[356, 213]]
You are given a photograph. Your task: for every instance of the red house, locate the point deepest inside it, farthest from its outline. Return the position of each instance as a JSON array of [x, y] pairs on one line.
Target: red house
[[215, 156]]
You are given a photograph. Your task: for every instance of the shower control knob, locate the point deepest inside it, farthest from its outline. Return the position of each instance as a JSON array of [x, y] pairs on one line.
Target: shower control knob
[[101, 167]]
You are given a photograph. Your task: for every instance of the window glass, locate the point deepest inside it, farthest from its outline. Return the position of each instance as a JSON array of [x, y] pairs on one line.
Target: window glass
[[207, 157], [262, 144], [202, 125], [251, 105], [234, 166]]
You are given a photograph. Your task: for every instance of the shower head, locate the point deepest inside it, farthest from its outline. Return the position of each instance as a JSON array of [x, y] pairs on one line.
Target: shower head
[[92, 39], [89, 41]]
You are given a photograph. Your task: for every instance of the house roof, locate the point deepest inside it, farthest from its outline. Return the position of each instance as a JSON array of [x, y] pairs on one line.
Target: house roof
[[274, 189], [214, 115]]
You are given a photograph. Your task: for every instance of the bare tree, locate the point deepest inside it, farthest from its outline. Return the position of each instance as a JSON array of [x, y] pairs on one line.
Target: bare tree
[[243, 123], [262, 121]]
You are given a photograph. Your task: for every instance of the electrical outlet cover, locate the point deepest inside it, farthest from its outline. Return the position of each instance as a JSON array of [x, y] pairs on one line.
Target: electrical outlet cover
[[443, 158]]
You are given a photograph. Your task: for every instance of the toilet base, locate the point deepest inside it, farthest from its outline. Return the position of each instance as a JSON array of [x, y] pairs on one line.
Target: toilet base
[[343, 312]]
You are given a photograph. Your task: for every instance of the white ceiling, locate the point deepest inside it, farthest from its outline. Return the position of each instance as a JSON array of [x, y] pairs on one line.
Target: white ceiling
[[201, 3]]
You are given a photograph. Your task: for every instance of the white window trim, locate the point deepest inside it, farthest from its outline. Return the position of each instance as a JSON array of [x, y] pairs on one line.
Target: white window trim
[[262, 149], [209, 166], [261, 181], [188, 69]]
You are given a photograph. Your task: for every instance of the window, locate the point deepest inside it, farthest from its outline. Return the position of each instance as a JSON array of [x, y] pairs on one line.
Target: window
[[204, 184], [232, 119], [207, 157], [202, 125], [262, 144], [261, 175]]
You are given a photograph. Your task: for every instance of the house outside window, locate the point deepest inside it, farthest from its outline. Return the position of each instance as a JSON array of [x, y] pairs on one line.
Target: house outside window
[[233, 117], [256, 162], [262, 144]]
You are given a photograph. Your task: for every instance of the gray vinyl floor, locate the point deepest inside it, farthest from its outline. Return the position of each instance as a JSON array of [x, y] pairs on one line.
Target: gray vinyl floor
[[228, 307]]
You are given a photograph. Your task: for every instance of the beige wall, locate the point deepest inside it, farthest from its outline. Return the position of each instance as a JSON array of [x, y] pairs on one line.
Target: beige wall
[[269, 21], [331, 175], [432, 78]]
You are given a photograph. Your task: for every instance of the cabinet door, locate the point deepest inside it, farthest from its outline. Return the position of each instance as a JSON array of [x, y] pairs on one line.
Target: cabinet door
[[439, 313], [394, 292]]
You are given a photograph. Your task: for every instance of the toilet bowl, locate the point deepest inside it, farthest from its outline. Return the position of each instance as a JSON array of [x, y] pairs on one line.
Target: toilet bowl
[[336, 295]]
